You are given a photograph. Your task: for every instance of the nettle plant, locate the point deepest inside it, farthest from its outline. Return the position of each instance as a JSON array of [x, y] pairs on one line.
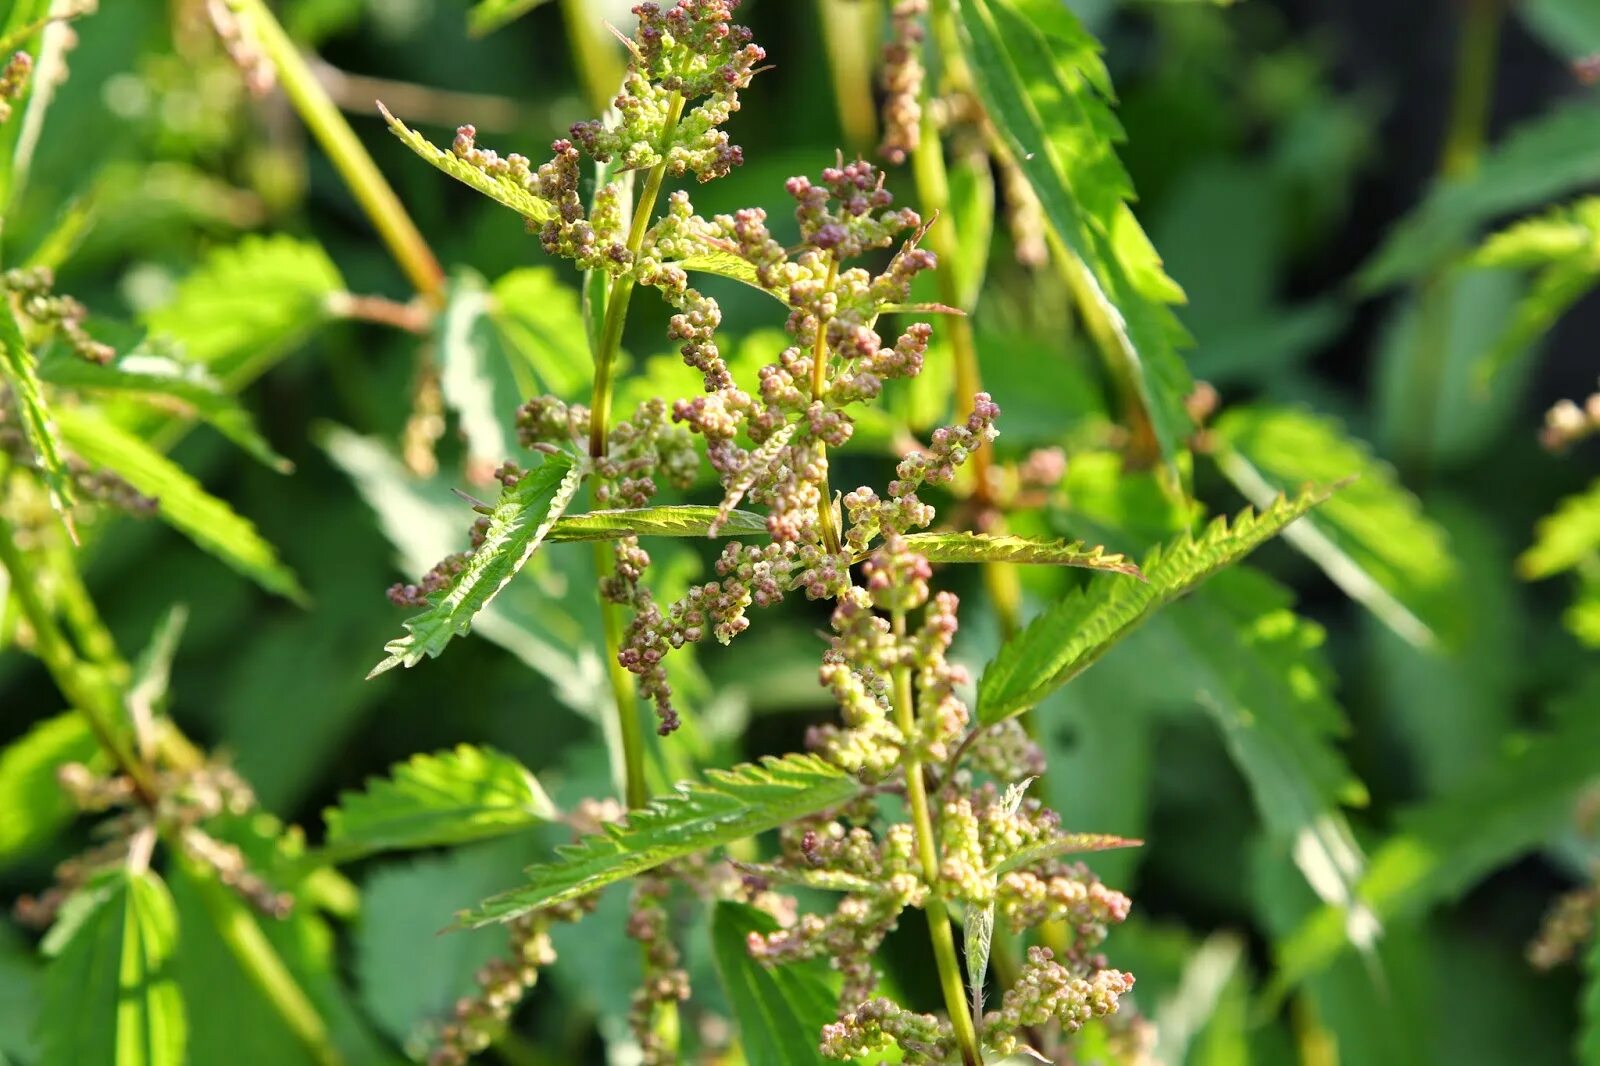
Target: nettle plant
[[916, 813]]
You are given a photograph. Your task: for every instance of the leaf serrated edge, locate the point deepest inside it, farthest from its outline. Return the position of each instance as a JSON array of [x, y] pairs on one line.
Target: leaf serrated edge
[[503, 191]]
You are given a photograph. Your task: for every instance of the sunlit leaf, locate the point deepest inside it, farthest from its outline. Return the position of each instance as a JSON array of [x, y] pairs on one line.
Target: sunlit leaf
[[1564, 538], [728, 805], [19, 371], [503, 189], [686, 520], [1000, 548], [1371, 538], [448, 798], [110, 995], [33, 806], [1070, 637], [517, 526], [489, 15], [248, 305]]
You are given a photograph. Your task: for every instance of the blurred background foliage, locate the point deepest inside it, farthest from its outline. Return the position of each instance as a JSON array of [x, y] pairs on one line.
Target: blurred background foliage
[[1275, 145]]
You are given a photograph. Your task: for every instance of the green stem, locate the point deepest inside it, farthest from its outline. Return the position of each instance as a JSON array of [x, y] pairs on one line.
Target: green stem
[[819, 389], [321, 116], [261, 962], [850, 30], [1471, 96], [622, 289], [83, 685], [635, 792], [944, 944], [599, 67]]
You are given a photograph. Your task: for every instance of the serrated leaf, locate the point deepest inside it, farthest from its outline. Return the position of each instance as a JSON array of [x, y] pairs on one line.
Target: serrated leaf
[[1070, 637], [1001, 548], [32, 805], [728, 806], [1041, 80], [1564, 538], [1065, 844], [19, 371], [109, 993], [504, 190], [1446, 845], [446, 798], [1372, 538], [489, 15], [541, 323], [780, 1009], [207, 521], [517, 526], [1260, 673], [248, 305], [1538, 161], [688, 520], [187, 390]]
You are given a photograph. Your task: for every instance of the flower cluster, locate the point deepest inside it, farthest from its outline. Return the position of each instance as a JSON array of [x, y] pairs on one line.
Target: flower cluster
[[1566, 929], [179, 800], [998, 852], [1566, 423], [901, 76], [666, 982], [503, 982], [49, 312], [13, 80], [691, 52]]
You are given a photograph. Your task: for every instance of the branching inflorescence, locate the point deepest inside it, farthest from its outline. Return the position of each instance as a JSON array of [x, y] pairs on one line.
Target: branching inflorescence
[[903, 728]]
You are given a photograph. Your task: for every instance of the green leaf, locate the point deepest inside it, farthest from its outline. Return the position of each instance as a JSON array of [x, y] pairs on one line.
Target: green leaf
[[186, 389], [407, 974], [19, 371], [472, 368], [489, 15], [182, 503], [728, 806], [1041, 80], [1371, 538], [1540, 160], [1260, 673], [249, 305], [517, 527], [687, 520], [780, 1009], [1070, 637], [1065, 844], [1564, 246], [447, 798], [503, 190], [540, 322], [1571, 27], [109, 993], [995, 548], [32, 805], [1564, 538], [1446, 845]]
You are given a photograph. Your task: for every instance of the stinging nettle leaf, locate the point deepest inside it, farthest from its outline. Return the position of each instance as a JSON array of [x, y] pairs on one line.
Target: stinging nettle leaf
[[688, 520], [728, 805], [1565, 537], [110, 995], [1000, 548], [446, 798], [1071, 636], [1043, 84], [32, 805], [518, 524], [1372, 538], [249, 305], [503, 190], [209, 522], [780, 1009]]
